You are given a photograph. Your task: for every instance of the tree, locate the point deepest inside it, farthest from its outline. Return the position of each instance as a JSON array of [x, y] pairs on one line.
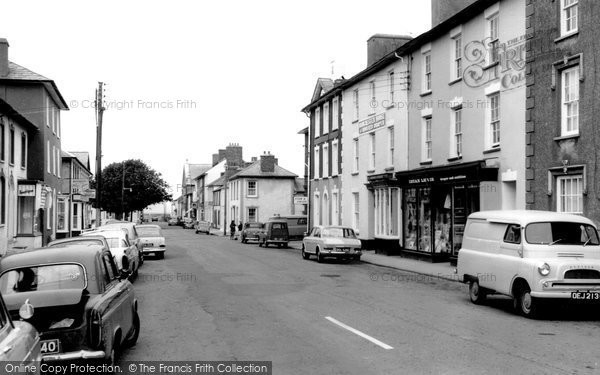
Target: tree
[[130, 186]]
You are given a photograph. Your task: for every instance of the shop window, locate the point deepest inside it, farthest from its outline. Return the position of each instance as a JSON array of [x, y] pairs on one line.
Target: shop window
[[61, 213], [424, 226], [569, 191], [570, 101], [569, 22], [27, 216], [386, 211], [410, 219]]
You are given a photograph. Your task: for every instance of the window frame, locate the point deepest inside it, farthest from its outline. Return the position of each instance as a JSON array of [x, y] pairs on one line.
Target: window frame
[[457, 133], [564, 20], [372, 150], [325, 118], [11, 145], [334, 157], [2, 141], [391, 146], [317, 122], [325, 157], [255, 214], [564, 116], [457, 44], [248, 189], [560, 194], [317, 163], [373, 95], [355, 154], [494, 121], [493, 29], [355, 100], [427, 82], [391, 82], [335, 113], [23, 150], [427, 154]]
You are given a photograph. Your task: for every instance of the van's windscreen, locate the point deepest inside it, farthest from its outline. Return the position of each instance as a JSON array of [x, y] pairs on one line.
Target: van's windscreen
[[563, 233]]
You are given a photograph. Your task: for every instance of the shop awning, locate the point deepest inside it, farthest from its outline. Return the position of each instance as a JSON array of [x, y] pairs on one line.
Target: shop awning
[[449, 174]]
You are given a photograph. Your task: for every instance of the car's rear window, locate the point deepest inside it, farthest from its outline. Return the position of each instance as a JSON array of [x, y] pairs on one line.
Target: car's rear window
[[148, 232], [77, 243], [338, 232], [42, 278], [561, 232]]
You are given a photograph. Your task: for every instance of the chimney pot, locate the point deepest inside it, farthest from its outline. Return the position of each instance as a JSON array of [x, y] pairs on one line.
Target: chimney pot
[[4, 57]]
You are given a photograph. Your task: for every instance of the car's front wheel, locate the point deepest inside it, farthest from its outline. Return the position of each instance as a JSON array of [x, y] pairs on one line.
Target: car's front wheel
[[305, 255], [319, 257], [476, 293], [135, 331]]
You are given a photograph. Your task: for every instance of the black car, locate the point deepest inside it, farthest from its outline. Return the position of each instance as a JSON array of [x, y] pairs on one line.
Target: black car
[[74, 296]]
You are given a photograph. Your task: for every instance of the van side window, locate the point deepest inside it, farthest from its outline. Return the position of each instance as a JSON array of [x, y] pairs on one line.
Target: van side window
[[513, 234]]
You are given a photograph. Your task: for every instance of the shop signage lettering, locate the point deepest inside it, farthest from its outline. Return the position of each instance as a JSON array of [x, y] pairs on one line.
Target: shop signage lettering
[[372, 123], [429, 180], [26, 191], [453, 178], [422, 180], [300, 200]]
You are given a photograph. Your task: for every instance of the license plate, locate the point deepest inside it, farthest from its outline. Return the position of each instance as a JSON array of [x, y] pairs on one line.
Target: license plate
[[585, 295], [148, 244], [50, 346]]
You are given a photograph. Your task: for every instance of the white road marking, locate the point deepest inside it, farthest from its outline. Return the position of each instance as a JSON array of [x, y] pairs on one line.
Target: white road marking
[[361, 334]]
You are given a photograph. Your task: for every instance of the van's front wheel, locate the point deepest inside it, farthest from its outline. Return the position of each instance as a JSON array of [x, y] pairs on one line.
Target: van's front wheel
[[476, 293], [527, 305]]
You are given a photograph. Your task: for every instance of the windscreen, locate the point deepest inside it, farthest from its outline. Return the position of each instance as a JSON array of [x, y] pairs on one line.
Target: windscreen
[[338, 232], [564, 233]]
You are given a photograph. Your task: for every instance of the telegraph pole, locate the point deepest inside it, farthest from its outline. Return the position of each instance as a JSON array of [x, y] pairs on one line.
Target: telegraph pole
[[99, 111]]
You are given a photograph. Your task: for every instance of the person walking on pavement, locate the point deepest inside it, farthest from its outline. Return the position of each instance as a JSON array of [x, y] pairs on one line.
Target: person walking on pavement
[[232, 230]]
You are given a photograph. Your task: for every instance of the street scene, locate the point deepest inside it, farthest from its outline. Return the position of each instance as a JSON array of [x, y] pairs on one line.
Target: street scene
[[250, 188]]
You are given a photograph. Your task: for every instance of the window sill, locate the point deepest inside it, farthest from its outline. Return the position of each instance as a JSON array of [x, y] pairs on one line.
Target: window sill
[[491, 150], [354, 121], [387, 237], [370, 171], [371, 114], [389, 169], [566, 36], [426, 162], [455, 158], [390, 107], [455, 81], [354, 174], [565, 137], [425, 93]]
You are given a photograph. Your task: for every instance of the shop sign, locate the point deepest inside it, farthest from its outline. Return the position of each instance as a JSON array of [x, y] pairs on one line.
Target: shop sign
[[80, 185], [81, 198], [432, 179], [90, 193], [372, 123], [300, 200], [26, 191]]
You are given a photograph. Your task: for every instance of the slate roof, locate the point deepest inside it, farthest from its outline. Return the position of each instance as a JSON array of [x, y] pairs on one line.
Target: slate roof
[[17, 72], [9, 111], [83, 157], [253, 170], [299, 185], [218, 182], [198, 169]]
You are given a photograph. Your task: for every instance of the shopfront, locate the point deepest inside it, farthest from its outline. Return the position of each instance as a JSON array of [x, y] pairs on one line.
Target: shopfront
[[30, 214], [435, 205]]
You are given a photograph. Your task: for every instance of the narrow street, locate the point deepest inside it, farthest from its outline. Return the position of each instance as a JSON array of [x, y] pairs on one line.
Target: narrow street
[[216, 299]]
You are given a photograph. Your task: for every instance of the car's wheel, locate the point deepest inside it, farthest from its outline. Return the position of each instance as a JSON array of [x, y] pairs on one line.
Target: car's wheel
[[476, 293], [527, 305], [357, 258], [319, 256], [265, 243], [305, 255], [135, 331], [141, 258], [244, 240], [260, 243], [160, 255]]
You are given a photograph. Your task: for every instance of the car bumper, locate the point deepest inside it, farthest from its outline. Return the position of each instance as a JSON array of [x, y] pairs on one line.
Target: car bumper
[[340, 254], [70, 356], [153, 250]]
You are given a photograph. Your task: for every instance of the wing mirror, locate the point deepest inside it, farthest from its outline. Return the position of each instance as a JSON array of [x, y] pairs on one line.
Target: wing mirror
[[26, 310]]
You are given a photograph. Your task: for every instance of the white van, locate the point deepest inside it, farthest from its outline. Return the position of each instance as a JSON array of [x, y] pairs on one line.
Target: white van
[[532, 256]]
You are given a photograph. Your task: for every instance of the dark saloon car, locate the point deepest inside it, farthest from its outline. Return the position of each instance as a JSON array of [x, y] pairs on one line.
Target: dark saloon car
[[251, 232], [19, 343], [274, 232], [75, 297]]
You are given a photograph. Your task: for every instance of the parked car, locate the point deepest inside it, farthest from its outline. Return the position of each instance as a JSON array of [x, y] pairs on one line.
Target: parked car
[[251, 232], [131, 232], [86, 238], [155, 218], [188, 223], [83, 308], [202, 226], [19, 342], [274, 232], [152, 240], [125, 254], [173, 221], [531, 256], [331, 242], [297, 225]]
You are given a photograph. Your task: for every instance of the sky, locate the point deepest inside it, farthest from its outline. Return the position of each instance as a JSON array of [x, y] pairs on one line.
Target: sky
[[185, 78]]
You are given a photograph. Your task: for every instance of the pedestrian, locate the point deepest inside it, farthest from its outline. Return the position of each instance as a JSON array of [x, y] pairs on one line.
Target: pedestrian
[[240, 227], [232, 230]]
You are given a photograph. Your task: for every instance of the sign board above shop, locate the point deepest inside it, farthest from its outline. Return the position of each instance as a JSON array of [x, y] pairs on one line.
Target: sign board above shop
[[26, 191], [300, 200], [372, 123], [449, 174]]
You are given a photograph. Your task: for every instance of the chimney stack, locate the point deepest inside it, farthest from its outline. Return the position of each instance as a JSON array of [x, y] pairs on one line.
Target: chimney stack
[[380, 45], [441, 10], [267, 163], [3, 57]]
